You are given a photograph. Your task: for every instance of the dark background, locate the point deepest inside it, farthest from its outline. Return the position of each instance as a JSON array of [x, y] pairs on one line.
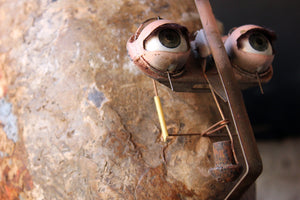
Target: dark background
[[274, 115]]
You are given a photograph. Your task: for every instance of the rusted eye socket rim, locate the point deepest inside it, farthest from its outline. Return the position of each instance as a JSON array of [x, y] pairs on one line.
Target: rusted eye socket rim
[[141, 27], [164, 74], [248, 74]]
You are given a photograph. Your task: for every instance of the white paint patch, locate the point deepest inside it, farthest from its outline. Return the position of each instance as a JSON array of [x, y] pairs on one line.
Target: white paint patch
[[93, 64], [131, 68], [102, 58], [188, 16], [37, 192], [3, 154], [77, 54], [9, 120]]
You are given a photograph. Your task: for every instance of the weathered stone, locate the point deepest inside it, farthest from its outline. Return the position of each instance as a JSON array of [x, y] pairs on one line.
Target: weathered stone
[[86, 119]]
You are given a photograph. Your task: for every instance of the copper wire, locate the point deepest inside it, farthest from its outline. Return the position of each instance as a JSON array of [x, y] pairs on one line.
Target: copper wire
[[223, 117], [212, 129], [259, 83], [169, 77]]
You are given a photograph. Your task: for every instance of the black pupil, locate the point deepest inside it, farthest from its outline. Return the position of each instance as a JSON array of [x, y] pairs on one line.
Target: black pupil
[[169, 38], [259, 42]]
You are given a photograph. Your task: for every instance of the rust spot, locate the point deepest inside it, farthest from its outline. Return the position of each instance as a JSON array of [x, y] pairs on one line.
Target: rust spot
[[15, 181], [16, 178], [225, 170], [161, 188]]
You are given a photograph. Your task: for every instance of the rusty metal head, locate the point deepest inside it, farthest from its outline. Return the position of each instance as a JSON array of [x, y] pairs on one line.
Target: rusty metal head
[[160, 47], [250, 48]]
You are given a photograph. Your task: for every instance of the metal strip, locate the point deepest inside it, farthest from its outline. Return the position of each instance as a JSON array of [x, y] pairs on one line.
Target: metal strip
[[252, 161]]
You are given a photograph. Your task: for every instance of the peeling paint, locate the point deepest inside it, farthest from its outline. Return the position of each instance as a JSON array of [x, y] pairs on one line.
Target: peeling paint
[[77, 52], [97, 97], [9, 120], [131, 68], [188, 16], [2, 155]]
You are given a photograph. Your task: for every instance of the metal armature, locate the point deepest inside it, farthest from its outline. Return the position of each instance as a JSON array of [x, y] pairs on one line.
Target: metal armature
[[211, 63], [252, 163]]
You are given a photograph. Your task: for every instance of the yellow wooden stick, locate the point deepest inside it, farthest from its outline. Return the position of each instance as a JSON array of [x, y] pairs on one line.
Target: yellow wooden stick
[[161, 118]]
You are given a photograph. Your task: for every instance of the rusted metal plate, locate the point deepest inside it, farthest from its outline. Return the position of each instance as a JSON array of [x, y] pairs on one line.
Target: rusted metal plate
[[85, 117]]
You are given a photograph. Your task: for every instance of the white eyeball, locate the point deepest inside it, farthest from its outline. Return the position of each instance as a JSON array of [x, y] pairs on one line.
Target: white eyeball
[[256, 43], [167, 39]]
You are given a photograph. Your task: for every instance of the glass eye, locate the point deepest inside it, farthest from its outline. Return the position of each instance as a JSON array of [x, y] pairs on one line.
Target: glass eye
[[167, 39], [257, 43]]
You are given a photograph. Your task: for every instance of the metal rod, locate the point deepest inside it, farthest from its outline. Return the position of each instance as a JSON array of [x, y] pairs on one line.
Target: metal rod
[[259, 83], [212, 129], [161, 117], [223, 117], [252, 161], [155, 87], [169, 77]]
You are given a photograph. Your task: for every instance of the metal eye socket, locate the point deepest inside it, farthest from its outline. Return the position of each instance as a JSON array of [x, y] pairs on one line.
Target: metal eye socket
[[160, 49], [257, 43], [167, 39]]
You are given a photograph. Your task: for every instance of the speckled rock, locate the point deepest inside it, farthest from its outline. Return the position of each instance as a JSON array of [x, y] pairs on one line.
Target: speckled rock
[[85, 120]]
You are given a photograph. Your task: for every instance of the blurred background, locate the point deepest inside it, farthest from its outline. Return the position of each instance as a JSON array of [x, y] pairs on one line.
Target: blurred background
[[274, 115]]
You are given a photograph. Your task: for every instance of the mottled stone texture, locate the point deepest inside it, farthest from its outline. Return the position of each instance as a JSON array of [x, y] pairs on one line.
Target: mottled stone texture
[[85, 117]]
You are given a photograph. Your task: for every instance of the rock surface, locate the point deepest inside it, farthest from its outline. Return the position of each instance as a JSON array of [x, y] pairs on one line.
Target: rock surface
[[84, 117]]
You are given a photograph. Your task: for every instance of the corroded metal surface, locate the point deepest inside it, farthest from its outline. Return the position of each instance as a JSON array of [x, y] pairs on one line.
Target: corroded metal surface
[[85, 120], [252, 164], [225, 170]]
